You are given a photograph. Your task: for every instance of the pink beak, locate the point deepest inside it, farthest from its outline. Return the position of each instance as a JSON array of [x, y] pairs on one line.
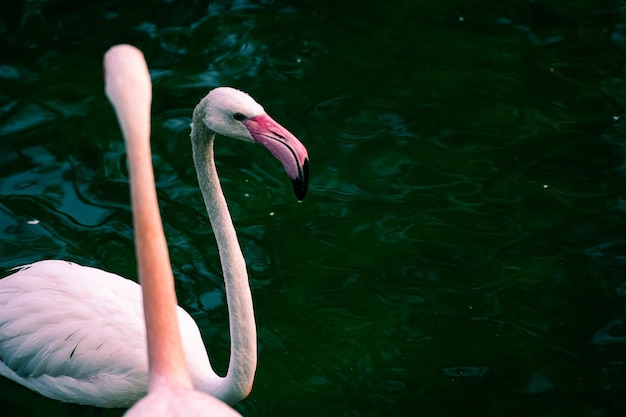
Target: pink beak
[[285, 147]]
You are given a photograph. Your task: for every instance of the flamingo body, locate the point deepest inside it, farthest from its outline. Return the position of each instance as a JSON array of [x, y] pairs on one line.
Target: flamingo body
[[97, 354]]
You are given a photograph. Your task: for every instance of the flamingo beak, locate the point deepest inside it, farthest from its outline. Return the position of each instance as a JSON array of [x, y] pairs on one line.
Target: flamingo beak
[[285, 147]]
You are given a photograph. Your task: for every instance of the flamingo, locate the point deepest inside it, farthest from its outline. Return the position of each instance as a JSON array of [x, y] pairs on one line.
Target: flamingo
[[77, 334], [170, 391]]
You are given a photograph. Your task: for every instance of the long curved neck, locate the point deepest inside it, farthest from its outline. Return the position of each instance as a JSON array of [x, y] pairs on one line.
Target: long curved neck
[[165, 353], [129, 89], [243, 353]]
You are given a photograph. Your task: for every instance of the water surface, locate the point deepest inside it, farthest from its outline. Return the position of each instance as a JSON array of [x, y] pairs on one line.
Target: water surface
[[461, 251]]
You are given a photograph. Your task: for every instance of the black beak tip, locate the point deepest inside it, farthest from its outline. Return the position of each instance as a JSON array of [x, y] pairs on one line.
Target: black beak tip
[[301, 183]]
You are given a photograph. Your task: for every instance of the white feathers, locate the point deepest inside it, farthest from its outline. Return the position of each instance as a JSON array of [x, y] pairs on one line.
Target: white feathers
[[77, 334]]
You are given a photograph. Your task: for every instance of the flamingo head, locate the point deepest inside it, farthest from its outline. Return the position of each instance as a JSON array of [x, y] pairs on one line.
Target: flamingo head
[[233, 113]]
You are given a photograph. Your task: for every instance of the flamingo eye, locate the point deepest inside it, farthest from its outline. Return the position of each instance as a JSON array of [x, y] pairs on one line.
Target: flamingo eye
[[239, 116]]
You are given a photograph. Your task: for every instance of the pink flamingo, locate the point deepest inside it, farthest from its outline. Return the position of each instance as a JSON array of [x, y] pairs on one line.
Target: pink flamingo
[[77, 334]]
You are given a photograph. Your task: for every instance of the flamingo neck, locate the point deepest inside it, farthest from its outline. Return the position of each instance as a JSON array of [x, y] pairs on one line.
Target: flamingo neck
[[243, 352], [165, 353]]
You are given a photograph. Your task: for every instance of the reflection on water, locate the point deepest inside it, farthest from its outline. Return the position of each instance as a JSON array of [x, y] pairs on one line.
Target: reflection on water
[[461, 250]]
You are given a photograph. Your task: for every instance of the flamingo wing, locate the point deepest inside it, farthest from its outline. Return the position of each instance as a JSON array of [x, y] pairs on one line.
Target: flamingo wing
[[73, 333]]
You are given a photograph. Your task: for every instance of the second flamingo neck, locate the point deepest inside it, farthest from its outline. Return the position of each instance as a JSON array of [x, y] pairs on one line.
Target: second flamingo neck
[[242, 365], [165, 352]]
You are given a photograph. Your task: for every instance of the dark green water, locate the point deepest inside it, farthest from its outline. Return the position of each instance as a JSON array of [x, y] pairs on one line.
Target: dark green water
[[462, 249]]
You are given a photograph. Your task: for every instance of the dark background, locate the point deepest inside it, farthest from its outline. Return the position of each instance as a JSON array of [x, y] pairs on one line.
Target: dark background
[[462, 249]]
